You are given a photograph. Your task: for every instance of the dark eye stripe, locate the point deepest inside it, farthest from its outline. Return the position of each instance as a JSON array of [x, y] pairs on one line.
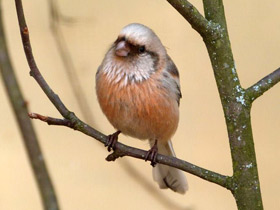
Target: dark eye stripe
[[140, 49], [119, 39]]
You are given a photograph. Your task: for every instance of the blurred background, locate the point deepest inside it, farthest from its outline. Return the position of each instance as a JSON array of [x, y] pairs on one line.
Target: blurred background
[[81, 176]]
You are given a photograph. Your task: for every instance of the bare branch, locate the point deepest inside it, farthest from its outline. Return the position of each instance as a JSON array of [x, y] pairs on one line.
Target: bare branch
[[29, 137], [34, 71], [237, 111], [194, 17], [51, 120], [122, 150], [263, 85]]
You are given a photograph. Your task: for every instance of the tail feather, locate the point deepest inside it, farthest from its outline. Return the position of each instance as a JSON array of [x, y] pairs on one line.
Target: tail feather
[[168, 177]]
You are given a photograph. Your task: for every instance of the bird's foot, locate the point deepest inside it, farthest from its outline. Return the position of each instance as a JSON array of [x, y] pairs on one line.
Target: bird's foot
[[152, 154], [113, 139]]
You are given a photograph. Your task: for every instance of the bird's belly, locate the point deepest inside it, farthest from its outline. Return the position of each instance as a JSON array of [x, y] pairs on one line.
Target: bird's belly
[[139, 110]]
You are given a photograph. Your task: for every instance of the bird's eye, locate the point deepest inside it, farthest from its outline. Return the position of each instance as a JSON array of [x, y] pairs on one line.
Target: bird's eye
[[142, 49]]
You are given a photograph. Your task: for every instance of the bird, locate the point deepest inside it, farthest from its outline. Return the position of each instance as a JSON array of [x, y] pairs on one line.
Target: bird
[[138, 90]]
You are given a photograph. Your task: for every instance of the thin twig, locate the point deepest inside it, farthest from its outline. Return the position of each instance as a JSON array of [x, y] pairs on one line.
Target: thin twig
[[263, 85], [28, 133], [34, 71], [51, 120]]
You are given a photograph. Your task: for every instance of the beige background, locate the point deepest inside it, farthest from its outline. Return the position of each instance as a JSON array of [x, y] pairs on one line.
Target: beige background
[[83, 179]]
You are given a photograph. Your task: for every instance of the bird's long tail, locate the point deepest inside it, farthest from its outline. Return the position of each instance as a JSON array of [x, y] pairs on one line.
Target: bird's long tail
[[168, 177]]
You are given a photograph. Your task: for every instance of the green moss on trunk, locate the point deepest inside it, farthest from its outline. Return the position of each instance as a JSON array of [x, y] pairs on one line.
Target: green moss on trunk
[[237, 107]]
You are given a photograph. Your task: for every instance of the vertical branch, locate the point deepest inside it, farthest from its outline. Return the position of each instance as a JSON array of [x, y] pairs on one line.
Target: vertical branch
[[28, 134], [237, 110], [236, 101]]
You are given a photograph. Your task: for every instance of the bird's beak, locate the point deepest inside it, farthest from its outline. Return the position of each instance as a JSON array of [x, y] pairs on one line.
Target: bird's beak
[[122, 49]]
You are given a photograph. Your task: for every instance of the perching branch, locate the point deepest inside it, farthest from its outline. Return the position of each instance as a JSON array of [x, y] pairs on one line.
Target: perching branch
[[30, 140], [121, 149], [264, 85]]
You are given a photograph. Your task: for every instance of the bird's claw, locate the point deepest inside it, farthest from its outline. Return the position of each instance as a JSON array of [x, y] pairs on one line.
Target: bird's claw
[[152, 154], [112, 140]]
